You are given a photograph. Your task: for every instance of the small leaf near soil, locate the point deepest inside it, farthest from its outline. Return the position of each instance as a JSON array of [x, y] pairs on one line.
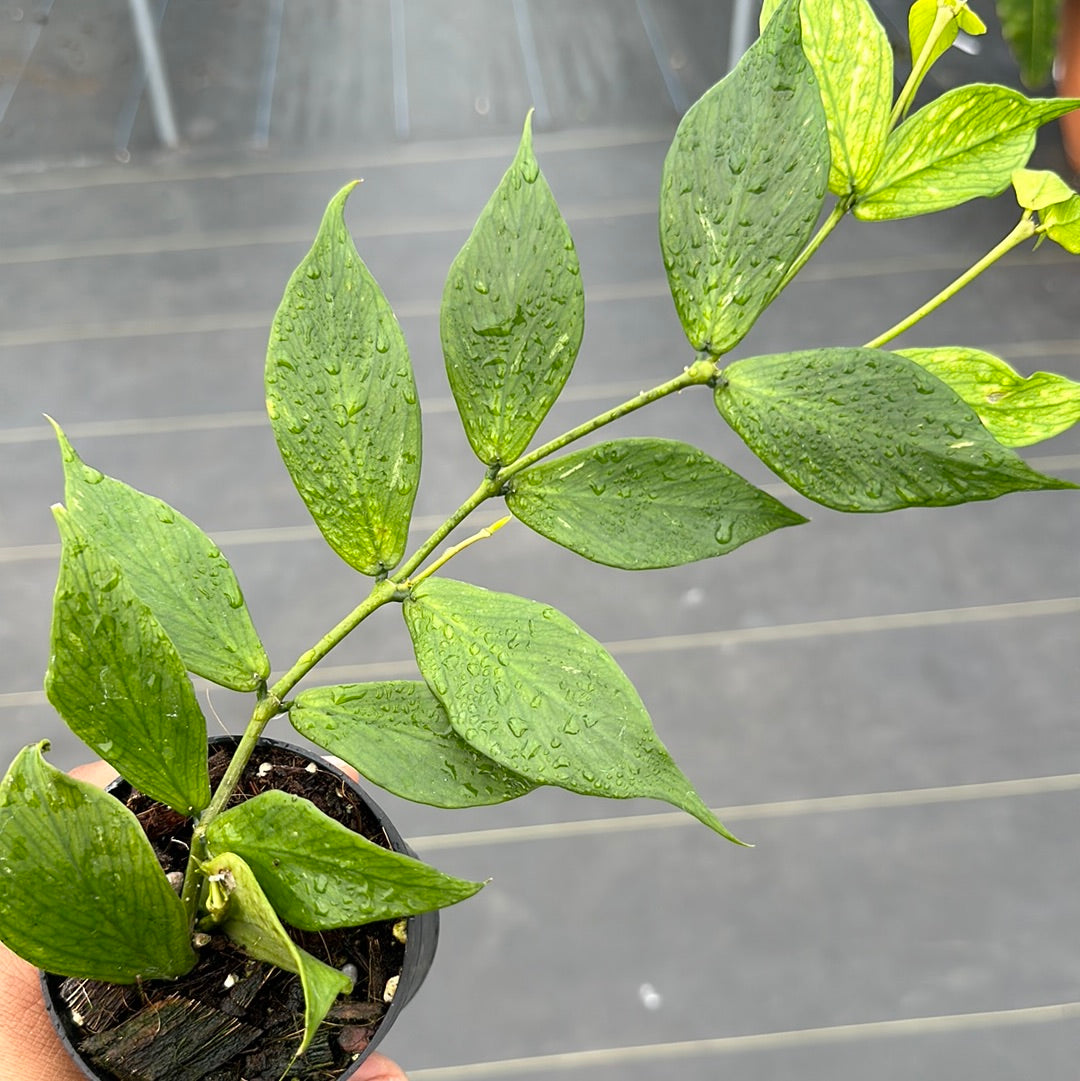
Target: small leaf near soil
[[82, 891], [397, 735], [319, 874]]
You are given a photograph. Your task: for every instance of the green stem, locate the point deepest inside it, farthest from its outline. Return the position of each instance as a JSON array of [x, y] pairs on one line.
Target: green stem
[[827, 226], [699, 373], [921, 66], [1024, 230]]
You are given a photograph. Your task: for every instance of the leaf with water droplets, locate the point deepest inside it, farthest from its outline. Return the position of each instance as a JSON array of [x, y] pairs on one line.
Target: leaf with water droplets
[[743, 184], [342, 400], [174, 568], [82, 892], [641, 503], [117, 680], [851, 56], [513, 311], [319, 874], [248, 918], [1016, 411], [964, 145], [532, 691], [868, 430], [398, 736]]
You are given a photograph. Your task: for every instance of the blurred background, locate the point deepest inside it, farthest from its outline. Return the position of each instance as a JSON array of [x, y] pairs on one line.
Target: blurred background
[[884, 705]]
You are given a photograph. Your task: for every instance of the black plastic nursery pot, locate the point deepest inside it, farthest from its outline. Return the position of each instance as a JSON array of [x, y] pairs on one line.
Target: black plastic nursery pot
[[232, 1018]]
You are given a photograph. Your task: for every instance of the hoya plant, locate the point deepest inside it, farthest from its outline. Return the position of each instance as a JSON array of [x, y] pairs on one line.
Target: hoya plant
[[510, 693]]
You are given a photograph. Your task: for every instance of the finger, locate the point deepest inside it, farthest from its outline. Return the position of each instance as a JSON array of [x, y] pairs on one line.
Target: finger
[[378, 1067], [99, 773]]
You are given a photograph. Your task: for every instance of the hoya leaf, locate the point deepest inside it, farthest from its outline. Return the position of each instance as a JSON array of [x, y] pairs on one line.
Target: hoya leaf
[[531, 690], [513, 312], [1031, 28], [1037, 189], [342, 400], [174, 568], [1016, 411], [319, 874], [868, 430], [965, 144], [1062, 222], [399, 737], [117, 680], [743, 184], [83, 894], [640, 503], [248, 918], [851, 56]]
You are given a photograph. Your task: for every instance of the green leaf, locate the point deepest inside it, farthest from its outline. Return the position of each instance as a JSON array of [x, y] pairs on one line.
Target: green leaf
[[867, 430], [1037, 189], [851, 56], [513, 311], [249, 920], [1062, 222], [965, 144], [117, 680], [342, 400], [83, 894], [743, 184], [531, 690], [399, 737], [319, 874], [641, 503], [174, 568], [1017, 411], [1031, 29]]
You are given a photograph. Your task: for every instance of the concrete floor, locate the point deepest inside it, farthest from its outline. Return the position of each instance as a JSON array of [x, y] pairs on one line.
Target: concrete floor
[[885, 705]]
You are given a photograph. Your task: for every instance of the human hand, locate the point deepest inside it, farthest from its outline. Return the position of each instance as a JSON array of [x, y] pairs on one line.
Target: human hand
[[29, 1047]]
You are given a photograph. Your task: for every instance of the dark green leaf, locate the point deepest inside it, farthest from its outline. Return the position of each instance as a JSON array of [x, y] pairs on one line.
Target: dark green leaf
[[398, 736], [117, 680], [249, 920], [1016, 411], [851, 56], [867, 430], [963, 145], [513, 312], [640, 503], [1031, 28], [83, 894], [174, 568], [342, 400], [531, 690], [743, 184], [319, 874]]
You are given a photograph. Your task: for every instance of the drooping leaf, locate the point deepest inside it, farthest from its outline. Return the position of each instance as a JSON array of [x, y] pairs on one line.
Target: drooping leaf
[[951, 16], [399, 737], [531, 690], [342, 400], [965, 144], [83, 894], [319, 874], [851, 56], [640, 503], [249, 920], [868, 430], [1037, 189], [743, 184], [174, 568], [117, 680], [513, 312], [1016, 411], [1031, 29]]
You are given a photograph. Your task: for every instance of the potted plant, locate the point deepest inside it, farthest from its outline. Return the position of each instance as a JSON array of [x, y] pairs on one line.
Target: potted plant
[[241, 862]]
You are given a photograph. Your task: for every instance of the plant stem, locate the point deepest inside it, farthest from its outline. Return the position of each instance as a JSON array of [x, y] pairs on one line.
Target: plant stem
[[1024, 230], [699, 373], [487, 531], [920, 66], [827, 226]]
